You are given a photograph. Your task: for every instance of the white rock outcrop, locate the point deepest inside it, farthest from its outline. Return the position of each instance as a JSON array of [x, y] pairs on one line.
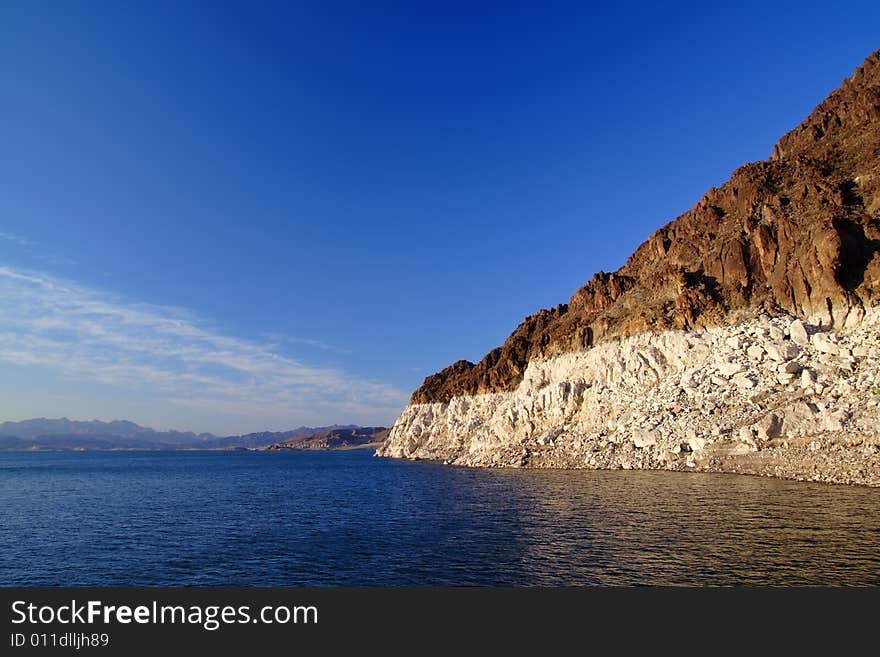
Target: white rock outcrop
[[771, 395]]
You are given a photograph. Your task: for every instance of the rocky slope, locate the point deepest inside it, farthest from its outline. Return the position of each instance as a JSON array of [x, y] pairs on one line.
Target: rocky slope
[[334, 439], [796, 236]]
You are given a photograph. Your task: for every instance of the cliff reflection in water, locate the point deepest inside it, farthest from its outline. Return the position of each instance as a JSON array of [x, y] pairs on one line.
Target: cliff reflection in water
[[660, 528]]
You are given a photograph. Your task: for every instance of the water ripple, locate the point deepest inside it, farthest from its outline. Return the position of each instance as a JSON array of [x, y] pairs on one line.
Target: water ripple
[[345, 518]]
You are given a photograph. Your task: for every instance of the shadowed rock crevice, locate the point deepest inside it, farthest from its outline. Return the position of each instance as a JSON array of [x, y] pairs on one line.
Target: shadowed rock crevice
[[856, 251]]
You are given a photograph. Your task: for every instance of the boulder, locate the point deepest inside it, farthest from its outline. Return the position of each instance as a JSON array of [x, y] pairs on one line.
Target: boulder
[[791, 367], [822, 343], [642, 439], [734, 342], [833, 420], [755, 353], [799, 419], [782, 351], [798, 333], [696, 444], [768, 427], [729, 369], [808, 377]]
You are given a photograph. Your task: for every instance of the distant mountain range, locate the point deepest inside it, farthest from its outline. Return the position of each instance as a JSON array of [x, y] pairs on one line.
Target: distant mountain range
[[65, 434]]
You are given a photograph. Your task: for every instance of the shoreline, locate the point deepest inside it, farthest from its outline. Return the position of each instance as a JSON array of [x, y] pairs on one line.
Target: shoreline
[[192, 449], [709, 470]]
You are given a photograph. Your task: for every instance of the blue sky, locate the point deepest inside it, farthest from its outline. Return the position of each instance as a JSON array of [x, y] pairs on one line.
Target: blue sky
[[251, 216]]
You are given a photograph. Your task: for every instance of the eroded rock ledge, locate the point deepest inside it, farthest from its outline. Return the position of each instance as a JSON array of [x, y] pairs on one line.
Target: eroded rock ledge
[[768, 395]]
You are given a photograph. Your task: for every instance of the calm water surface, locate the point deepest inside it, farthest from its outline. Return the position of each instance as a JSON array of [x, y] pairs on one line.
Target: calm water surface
[[346, 518]]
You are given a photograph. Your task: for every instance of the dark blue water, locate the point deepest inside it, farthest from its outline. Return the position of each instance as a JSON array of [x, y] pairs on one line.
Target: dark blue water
[[346, 518]]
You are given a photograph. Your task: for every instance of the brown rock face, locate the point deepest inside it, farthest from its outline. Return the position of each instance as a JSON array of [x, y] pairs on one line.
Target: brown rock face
[[799, 233]]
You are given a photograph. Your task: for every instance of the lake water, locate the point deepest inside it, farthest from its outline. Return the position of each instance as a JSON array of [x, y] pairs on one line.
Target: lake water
[[346, 518]]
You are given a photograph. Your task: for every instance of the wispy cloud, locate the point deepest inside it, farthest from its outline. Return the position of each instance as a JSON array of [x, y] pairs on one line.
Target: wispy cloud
[[278, 338], [36, 251], [168, 353], [17, 239]]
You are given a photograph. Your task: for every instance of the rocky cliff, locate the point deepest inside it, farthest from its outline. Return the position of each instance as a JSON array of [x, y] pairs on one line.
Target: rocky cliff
[[789, 242]]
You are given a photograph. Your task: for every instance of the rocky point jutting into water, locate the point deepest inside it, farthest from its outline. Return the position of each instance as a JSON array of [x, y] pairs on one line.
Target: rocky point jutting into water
[[744, 336]]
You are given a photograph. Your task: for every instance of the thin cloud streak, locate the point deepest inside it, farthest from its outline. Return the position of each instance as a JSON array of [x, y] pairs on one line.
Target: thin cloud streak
[[17, 239], [170, 354], [277, 338], [34, 251]]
